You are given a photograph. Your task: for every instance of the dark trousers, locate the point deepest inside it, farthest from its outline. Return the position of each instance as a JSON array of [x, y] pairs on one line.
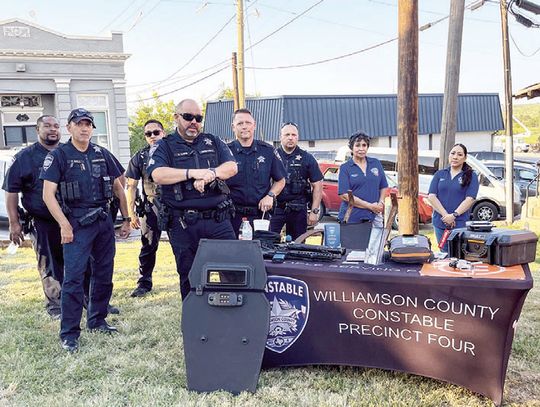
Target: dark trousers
[[47, 244], [184, 243], [150, 235], [295, 222], [96, 240]]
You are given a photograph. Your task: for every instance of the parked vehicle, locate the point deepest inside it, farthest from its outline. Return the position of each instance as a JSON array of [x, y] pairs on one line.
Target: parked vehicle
[[323, 155], [331, 201], [491, 200], [6, 158], [524, 176], [499, 156]]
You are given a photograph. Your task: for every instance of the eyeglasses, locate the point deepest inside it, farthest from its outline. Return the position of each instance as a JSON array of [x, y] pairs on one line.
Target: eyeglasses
[[154, 132], [189, 117], [289, 124]]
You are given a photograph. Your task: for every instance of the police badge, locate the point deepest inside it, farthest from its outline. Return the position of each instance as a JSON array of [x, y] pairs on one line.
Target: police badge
[[289, 299]]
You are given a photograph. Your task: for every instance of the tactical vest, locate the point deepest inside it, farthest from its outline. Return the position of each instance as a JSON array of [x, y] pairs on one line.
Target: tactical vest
[[32, 188], [297, 186], [150, 189], [199, 155], [85, 182]]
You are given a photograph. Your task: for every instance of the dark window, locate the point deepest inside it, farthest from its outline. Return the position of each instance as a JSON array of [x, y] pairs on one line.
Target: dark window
[[19, 135]]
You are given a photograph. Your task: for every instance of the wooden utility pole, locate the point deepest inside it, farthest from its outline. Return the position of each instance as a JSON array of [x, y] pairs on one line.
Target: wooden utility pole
[[235, 81], [407, 116], [451, 86], [240, 63], [509, 156]]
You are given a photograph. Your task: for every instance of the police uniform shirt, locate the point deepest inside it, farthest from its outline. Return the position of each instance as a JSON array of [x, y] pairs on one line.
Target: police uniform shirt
[[88, 168], [137, 170], [23, 176], [300, 166], [450, 192], [364, 186], [257, 165], [206, 151]]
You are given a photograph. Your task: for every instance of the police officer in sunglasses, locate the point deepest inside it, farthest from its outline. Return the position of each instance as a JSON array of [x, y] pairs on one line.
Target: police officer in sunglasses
[[143, 210], [191, 168]]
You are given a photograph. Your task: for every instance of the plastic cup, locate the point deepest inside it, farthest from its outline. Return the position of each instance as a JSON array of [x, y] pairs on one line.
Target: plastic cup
[[261, 224]]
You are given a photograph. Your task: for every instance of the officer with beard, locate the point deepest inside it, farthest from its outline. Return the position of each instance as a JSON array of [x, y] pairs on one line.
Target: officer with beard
[[23, 177]]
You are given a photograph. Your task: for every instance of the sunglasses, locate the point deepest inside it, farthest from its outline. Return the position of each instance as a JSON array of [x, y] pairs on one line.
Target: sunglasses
[[154, 132], [189, 117], [289, 124]]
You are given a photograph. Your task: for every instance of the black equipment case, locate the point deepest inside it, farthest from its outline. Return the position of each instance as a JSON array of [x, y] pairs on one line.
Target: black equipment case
[[410, 249], [502, 247]]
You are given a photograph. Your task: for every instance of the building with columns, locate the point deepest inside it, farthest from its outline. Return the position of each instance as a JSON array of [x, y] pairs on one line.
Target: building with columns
[[46, 72]]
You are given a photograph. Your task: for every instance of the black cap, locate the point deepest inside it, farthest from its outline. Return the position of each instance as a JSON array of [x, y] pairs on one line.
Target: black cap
[[79, 114]]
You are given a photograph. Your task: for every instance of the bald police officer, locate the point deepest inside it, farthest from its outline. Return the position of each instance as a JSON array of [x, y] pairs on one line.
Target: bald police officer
[[191, 166], [304, 182], [261, 175], [86, 177]]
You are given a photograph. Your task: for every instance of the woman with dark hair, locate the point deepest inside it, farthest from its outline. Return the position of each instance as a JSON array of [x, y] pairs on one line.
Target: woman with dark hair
[[365, 177], [452, 192]]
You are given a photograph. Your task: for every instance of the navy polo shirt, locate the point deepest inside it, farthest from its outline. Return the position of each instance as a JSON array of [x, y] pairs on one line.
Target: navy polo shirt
[[257, 166], [23, 177], [301, 165], [68, 163], [451, 193], [364, 186], [206, 151]]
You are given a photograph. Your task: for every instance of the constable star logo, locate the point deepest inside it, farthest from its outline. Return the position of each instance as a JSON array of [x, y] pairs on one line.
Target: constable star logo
[[208, 142], [260, 159], [298, 157], [289, 299]]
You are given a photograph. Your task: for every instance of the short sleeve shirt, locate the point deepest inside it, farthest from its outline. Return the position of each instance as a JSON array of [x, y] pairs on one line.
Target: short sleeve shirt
[[258, 166], [23, 177], [88, 168], [451, 192], [299, 165], [366, 186]]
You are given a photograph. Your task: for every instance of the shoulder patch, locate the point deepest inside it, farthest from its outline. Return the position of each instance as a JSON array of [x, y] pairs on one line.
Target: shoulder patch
[[47, 162]]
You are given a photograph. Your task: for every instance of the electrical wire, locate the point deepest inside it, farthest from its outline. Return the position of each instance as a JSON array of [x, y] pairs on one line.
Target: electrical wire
[[130, 3], [520, 51]]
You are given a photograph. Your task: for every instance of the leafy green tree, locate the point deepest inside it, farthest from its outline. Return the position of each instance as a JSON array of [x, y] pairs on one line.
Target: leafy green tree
[[155, 109]]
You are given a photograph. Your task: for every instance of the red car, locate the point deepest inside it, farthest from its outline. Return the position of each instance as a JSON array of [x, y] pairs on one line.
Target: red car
[[331, 201]]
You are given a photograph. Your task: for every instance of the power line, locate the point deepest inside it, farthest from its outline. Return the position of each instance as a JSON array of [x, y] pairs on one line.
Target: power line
[[520, 51], [181, 88], [130, 3], [286, 24]]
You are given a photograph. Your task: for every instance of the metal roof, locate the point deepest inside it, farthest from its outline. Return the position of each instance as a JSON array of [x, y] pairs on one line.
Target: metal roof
[[336, 117]]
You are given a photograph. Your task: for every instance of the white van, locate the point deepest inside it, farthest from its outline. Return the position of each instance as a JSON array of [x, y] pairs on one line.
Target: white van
[[490, 203]]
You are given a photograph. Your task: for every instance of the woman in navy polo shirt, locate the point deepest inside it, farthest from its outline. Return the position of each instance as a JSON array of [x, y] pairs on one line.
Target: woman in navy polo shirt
[[365, 177], [452, 193]]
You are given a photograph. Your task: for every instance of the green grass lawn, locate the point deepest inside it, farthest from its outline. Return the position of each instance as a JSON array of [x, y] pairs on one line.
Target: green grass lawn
[[144, 364]]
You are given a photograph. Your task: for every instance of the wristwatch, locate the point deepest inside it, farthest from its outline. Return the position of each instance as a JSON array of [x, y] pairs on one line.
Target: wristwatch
[[315, 211], [455, 214], [270, 193], [124, 219]]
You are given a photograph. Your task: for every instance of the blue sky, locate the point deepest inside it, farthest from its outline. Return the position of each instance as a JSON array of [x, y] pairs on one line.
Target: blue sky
[[166, 37]]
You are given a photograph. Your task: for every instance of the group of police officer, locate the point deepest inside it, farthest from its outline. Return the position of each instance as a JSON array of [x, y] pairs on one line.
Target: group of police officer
[[193, 186]]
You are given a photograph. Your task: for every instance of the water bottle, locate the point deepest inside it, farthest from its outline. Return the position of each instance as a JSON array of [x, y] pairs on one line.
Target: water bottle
[[12, 248], [246, 231]]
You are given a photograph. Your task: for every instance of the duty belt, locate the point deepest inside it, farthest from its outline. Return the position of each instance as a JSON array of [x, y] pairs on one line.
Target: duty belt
[[292, 205], [246, 210], [195, 213], [80, 212]]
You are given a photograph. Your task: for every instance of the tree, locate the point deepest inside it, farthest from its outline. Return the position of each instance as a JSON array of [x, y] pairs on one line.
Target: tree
[[156, 109]]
